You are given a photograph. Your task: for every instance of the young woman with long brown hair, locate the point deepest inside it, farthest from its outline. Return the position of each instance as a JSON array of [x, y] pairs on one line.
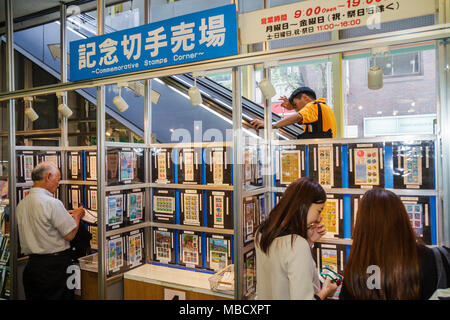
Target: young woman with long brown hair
[[385, 246], [285, 268]]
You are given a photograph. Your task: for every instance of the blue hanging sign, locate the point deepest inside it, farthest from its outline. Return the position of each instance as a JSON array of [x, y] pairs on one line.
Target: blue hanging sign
[[194, 37]]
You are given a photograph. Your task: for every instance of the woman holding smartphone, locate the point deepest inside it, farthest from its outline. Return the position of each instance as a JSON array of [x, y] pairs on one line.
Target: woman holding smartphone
[[285, 268]]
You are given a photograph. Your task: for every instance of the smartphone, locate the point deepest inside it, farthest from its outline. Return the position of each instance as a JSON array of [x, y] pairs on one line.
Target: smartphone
[[330, 273]]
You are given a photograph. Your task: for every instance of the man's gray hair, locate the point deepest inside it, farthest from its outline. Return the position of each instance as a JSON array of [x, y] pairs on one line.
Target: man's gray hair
[[41, 170]]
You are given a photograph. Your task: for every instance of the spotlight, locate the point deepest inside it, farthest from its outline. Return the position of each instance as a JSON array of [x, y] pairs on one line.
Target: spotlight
[[265, 85], [29, 112], [375, 75], [118, 101], [194, 94], [62, 106], [375, 78], [65, 110], [267, 89]]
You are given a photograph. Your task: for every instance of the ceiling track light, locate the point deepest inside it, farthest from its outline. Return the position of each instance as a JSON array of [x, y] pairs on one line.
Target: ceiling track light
[[265, 85], [375, 75], [62, 104], [195, 96], [118, 101], [29, 112]]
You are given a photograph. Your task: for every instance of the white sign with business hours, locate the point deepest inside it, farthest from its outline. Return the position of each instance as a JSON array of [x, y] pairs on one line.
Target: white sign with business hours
[[316, 16]]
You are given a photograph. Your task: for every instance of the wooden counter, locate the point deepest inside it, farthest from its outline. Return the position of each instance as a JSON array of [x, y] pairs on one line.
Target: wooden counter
[[155, 282]]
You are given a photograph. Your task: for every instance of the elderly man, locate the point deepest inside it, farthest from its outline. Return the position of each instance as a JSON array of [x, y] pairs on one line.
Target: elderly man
[[45, 231]]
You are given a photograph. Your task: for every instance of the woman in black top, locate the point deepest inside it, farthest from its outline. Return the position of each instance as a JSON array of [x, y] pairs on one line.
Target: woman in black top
[[385, 260]]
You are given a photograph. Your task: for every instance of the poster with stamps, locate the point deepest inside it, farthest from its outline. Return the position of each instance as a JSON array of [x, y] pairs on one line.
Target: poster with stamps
[[135, 206], [413, 165], [332, 255], [135, 248], [419, 213], [290, 164], [325, 164], [92, 198], [330, 215], [189, 165], [366, 165], [25, 165], [126, 161], [218, 165], [75, 196], [162, 165], [163, 245], [74, 165], [190, 249], [114, 210], [333, 216], [250, 273], [115, 254], [219, 209], [250, 219], [164, 205], [191, 207], [91, 165], [53, 157], [218, 252], [28, 166]]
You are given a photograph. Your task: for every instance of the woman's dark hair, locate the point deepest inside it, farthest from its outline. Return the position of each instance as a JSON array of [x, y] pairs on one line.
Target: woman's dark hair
[[383, 237], [291, 212]]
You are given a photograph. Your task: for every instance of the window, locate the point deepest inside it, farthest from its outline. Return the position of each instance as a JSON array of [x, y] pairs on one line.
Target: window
[[401, 107], [407, 64]]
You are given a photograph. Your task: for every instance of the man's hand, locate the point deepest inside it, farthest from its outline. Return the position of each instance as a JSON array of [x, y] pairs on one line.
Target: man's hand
[[257, 124], [77, 213], [286, 104]]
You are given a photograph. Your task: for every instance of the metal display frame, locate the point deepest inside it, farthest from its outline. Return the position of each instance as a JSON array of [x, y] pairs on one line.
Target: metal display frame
[[439, 33]]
